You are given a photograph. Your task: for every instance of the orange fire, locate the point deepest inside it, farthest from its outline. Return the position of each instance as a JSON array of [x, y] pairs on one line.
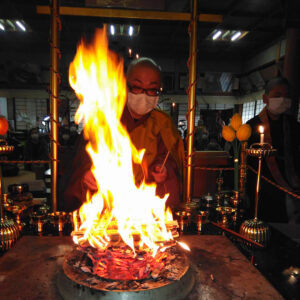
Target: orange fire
[[96, 75]]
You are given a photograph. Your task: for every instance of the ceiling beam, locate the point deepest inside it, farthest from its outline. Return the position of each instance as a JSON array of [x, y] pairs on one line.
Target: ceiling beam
[[128, 14]]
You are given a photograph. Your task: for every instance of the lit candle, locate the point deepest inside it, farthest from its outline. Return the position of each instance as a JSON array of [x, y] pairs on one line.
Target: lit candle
[[261, 132]]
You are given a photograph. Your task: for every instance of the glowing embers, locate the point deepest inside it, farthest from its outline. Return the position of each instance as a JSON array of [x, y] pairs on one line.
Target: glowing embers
[[120, 263], [120, 269]]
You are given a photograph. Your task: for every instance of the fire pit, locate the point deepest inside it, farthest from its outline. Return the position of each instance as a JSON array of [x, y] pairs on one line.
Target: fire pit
[[173, 280], [117, 270]]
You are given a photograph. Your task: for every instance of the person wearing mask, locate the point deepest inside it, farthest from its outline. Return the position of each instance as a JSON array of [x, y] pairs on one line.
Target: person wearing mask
[[35, 149], [200, 136], [67, 140], [68, 135], [282, 131], [149, 128], [64, 136], [73, 133]]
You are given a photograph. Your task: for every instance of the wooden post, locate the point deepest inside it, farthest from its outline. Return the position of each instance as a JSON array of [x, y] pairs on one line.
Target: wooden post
[[54, 100], [191, 99], [291, 66]]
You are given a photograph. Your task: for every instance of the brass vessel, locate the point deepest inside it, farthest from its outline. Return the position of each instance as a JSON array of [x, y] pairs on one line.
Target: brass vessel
[[235, 199], [183, 217], [38, 221], [201, 219], [226, 212], [58, 219], [17, 211]]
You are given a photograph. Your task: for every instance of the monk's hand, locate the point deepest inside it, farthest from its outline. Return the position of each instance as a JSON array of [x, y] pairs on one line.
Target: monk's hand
[[159, 175]]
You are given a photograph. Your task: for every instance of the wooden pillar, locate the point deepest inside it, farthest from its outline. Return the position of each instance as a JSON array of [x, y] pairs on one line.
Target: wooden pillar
[[191, 99], [54, 84], [291, 66], [278, 48]]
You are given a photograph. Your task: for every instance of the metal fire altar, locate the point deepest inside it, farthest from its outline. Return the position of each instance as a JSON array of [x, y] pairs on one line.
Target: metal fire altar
[[168, 285]]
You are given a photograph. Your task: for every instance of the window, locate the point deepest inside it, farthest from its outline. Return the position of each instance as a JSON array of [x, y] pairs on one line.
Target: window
[[251, 109], [248, 111], [30, 113], [259, 106]]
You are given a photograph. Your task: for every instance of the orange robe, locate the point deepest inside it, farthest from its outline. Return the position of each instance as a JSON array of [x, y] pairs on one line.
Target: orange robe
[[154, 132]]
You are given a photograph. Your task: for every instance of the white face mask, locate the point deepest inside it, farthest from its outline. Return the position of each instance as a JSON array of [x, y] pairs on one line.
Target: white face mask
[[278, 106], [141, 104], [73, 129], [35, 136], [65, 137]]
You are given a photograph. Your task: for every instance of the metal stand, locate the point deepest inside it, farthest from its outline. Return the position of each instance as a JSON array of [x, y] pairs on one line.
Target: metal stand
[[255, 229]]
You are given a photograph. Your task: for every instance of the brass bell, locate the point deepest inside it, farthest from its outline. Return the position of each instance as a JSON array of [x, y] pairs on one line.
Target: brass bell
[[9, 233], [256, 230]]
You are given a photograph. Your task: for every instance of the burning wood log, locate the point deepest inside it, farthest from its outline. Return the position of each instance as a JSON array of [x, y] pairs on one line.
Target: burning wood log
[[169, 225], [114, 236]]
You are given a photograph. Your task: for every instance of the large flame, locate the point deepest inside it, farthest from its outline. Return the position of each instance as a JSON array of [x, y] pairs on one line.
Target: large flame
[[96, 75]]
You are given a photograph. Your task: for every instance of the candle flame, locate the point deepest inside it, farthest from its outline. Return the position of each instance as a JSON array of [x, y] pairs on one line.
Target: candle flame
[[261, 129]]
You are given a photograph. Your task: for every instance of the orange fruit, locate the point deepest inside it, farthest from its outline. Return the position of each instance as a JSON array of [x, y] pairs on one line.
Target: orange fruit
[[236, 121], [244, 132], [228, 133], [3, 126]]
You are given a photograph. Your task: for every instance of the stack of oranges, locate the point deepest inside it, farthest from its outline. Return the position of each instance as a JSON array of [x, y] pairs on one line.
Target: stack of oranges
[[236, 130]]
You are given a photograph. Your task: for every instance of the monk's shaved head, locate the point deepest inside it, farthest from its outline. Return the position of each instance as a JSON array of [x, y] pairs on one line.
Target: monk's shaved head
[[143, 62]]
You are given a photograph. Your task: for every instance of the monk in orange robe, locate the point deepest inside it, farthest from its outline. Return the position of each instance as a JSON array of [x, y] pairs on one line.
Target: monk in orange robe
[[149, 128]]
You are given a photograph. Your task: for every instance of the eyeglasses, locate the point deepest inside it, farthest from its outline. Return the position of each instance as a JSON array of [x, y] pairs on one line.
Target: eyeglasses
[[139, 90]]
